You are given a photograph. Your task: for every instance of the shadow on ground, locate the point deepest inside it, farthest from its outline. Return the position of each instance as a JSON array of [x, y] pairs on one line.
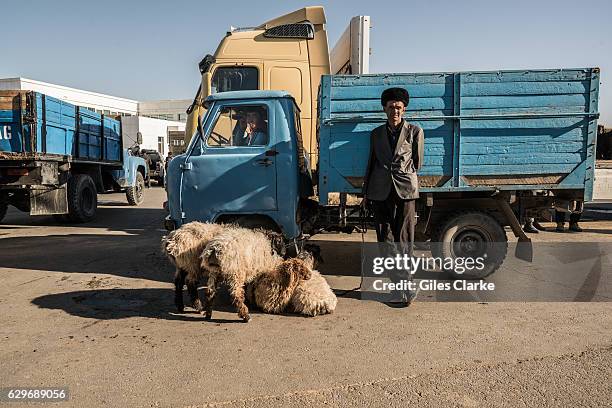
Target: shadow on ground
[[112, 304]]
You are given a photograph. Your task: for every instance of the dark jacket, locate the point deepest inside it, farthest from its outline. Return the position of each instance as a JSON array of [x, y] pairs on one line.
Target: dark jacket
[[396, 169]]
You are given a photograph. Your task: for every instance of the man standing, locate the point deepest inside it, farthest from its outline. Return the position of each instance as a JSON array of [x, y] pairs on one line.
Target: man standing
[[391, 184]]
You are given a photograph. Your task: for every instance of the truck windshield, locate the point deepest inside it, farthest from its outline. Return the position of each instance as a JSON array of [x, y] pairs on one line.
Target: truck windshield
[[235, 79]]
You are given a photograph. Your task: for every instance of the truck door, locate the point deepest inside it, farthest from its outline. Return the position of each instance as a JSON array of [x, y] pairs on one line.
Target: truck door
[[232, 169]]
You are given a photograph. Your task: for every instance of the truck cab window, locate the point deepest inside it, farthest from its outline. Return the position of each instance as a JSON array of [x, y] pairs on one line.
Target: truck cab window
[[235, 79], [242, 126]]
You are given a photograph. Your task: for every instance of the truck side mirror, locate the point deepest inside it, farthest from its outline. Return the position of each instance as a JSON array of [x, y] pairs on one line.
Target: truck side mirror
[[139, 138]]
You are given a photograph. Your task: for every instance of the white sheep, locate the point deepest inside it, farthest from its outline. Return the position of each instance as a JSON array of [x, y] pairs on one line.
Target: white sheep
[[313, 297], [183, 247], [236, 256]]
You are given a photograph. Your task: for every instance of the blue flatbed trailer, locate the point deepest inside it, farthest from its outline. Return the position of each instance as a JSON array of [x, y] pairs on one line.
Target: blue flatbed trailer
[[55, 157]]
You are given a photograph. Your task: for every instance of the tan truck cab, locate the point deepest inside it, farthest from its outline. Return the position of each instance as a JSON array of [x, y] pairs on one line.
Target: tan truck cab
[[287, 53]]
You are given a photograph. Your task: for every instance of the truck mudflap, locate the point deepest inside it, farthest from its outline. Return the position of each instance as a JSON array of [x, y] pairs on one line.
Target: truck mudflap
[[48, 201], [524, 248]]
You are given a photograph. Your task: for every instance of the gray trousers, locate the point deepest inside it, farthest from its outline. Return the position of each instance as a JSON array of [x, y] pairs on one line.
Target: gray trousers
[[395, 223]]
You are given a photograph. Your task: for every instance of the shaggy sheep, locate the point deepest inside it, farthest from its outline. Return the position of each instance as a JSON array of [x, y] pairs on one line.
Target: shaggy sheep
[[311, 254], [271, 291], [236, 256], [313, 297], [184, 247]]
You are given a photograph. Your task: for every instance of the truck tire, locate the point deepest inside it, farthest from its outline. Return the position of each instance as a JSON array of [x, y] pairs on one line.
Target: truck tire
[[82, 198], [3, 209], [471, 234], [135, 194]]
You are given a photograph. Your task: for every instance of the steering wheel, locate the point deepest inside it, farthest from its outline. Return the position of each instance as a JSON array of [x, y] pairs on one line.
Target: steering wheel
[[219, 139]]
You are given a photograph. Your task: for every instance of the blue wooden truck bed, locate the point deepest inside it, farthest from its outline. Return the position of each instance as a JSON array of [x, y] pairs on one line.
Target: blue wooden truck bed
[[33, 125], [500, 130]]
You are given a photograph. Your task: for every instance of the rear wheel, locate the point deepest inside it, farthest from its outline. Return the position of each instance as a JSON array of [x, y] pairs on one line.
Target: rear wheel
[[472, 234], [82, 198], [135, 194]]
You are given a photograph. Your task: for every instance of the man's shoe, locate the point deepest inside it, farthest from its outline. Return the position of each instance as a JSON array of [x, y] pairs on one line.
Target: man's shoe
[[539, 226], [397, 304], [560, 227], [575, 228], [412, 296], [405, 299], [529, 227]]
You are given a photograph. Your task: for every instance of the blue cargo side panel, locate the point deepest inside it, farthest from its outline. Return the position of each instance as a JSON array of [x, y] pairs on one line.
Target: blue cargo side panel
[[34, 123], [59, 126], [483, 130], [90, 135], [112, 140]]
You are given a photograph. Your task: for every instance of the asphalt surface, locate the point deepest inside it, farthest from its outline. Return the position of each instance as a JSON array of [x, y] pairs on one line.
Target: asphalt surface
[[90, 307]]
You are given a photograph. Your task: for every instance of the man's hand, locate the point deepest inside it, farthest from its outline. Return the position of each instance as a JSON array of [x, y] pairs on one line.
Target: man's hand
[[250, 128]]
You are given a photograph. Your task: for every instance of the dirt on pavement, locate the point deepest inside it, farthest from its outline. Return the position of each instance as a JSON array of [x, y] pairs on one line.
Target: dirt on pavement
[[90, 307]]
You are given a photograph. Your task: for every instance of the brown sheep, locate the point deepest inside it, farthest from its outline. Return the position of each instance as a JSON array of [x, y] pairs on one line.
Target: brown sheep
[[310, 296], [272, 291]]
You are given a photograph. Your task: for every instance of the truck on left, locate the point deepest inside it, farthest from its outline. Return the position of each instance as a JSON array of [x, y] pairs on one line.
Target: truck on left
[[56, 157]]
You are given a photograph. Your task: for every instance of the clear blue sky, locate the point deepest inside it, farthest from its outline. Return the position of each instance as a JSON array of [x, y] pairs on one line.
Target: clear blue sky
[[150, 49]]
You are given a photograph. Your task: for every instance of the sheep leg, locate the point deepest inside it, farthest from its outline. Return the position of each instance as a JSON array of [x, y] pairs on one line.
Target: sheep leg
[[237, 293], [179, 281], [192, 289], [209, 296]]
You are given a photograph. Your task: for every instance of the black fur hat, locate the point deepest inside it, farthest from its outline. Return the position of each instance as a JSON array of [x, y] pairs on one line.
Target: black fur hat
[[394, 94]]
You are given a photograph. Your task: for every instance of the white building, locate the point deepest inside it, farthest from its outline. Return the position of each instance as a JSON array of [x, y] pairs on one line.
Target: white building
[[168, 109], [106, 104], [154, 132], [136, 116]]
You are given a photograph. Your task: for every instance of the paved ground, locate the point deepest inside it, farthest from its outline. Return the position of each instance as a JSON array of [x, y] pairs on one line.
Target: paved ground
[[90, 307]]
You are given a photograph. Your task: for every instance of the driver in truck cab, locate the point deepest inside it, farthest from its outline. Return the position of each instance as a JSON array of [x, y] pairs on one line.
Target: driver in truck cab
[[251, 129]]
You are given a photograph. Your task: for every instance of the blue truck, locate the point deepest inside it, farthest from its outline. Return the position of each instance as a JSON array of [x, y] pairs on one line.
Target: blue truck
[[499, 147], [56, 157]]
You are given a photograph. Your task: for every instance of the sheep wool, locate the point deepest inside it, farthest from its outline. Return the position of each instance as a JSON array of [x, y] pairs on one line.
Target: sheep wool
[[236, 256], [313, 297]]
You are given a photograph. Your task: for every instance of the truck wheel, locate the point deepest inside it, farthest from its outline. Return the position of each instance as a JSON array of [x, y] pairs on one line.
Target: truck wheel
[[471, 234], [3, 209], [82, 198], [135, 194]]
